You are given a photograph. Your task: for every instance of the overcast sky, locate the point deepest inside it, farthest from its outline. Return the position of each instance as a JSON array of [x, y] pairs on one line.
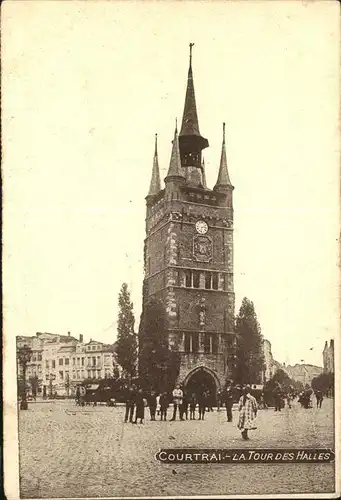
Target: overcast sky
[[86, 86]]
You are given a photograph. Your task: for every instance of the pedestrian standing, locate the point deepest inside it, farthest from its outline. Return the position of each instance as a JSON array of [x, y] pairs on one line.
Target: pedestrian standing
[[247, 413], [219, 395], [319, 398], [158, 404], [130, 400], [262, 402], [164, 403], [192, 406], [152, 404], [202, 402], [307, 399], [184, 406], [140, 403], [228, 400], [209, 400], [177, 401]]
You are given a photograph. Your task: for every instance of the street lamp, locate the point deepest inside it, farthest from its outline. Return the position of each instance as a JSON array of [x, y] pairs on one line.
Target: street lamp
[[24, 356]]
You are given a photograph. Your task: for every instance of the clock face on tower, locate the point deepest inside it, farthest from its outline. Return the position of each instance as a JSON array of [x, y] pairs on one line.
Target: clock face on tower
[[201, 227]]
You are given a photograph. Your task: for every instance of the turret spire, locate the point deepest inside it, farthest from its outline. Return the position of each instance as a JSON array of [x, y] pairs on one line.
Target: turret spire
[[190, 122], [175, 169], [223, 176], [204, 183], [190, 54], [155, 184]]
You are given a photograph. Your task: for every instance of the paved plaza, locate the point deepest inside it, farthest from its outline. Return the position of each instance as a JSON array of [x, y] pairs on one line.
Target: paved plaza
[[67, 451]]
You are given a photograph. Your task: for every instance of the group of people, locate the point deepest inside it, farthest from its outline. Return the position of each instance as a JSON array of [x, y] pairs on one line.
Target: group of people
[[184, 404], [305, 398]]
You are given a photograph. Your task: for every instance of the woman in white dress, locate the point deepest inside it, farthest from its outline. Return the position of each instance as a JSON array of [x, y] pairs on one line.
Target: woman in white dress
[[247, 412]]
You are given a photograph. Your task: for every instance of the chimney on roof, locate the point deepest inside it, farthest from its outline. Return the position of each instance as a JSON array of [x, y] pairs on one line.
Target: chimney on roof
[[69, 333], [80, 338], [90, 340]]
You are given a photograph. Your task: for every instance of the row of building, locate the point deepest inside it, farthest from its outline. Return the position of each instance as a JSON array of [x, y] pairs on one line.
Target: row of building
[[60, 362]]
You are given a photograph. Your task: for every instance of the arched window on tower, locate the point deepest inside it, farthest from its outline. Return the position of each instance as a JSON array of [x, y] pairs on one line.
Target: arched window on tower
[[196, 279], [210, 343], [215, 281], [208, 280], [191, 342], [188, 279]]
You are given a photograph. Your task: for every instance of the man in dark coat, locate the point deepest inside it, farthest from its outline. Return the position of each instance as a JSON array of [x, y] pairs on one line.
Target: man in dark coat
[[192, 405], [164, 403], [202, 403], [139, 402], [319, 398], [130, 402], [152, 404], [228, 401], [184, 406]]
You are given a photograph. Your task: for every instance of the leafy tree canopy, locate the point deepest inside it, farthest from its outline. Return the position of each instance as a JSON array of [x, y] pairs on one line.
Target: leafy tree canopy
[[250, 358], [158, 365], [282, 381], [324, 382], [126, 346]]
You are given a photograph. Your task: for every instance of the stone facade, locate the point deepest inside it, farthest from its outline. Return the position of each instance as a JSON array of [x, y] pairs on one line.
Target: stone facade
[[270, 366], [60, 362], [188, 256], [303, 372], [328, 357]]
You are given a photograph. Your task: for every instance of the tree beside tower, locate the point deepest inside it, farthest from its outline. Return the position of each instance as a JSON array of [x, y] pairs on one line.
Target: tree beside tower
[[126, 347], [250, 357]]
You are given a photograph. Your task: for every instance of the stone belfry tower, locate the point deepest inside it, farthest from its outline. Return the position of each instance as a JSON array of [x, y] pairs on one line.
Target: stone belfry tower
[[189, 254]]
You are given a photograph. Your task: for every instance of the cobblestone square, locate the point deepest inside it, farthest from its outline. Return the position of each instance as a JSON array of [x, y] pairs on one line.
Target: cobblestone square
[[66, 451]]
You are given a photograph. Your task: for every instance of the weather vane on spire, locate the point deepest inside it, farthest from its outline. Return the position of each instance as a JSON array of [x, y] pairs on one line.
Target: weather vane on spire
[[190, 52], [224, 132]]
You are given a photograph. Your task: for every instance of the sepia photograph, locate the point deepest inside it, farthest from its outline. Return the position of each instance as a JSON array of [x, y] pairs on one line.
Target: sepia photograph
[[171, 187]]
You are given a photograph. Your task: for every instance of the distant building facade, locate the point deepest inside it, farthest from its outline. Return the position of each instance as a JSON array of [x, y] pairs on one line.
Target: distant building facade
[[328, 357], [303, 373], [60, 362], [270, 366]]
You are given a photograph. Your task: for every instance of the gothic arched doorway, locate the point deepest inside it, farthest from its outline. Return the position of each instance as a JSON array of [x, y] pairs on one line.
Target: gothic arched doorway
[[201, 380]]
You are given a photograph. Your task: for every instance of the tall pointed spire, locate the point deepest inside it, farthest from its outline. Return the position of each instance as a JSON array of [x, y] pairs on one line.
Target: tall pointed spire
[[175, 169], [190, 122], [155, 184], [223, 176], [204, 183]]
